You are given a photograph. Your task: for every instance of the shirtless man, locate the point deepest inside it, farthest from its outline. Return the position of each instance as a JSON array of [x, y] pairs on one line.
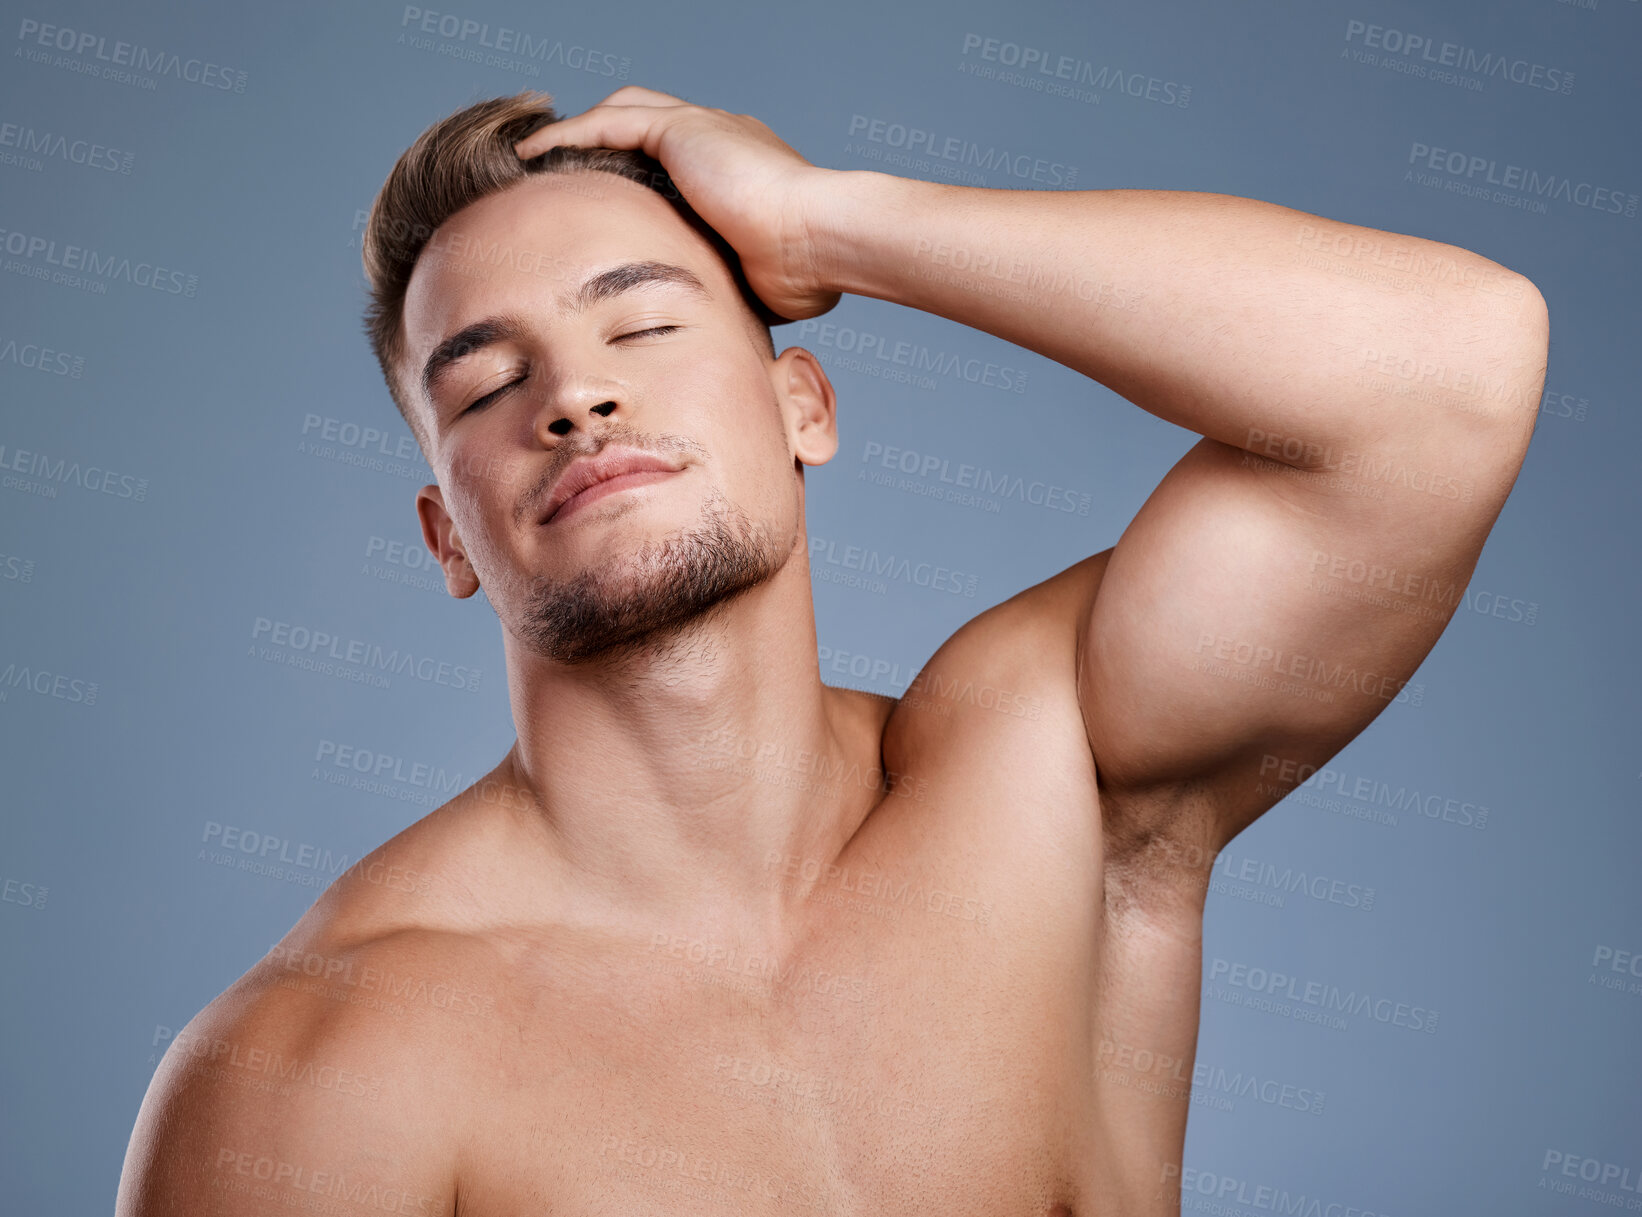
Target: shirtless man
[[715, 937]]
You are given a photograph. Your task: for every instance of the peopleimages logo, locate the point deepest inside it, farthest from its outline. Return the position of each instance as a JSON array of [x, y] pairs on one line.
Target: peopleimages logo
[[1045, 71], [351, 658], [825, 553], [959, 151], [986, 482], [16, 568], [1278, 881], [1432, 54], [54, 146], [482, 36], [38, 253], [118, 55], [1284, 773], [39, 358], [45, 683], [1209, 1085], [914, 357], [1216, 1193], [50, 472], [1315, 1001], [383, 773], [1480, 172], [1590, 1178]]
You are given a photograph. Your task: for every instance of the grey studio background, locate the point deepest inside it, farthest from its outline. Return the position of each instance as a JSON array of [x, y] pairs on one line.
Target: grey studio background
[[198, 449]]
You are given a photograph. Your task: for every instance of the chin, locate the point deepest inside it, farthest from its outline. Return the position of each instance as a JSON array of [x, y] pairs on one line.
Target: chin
[[645, 586]]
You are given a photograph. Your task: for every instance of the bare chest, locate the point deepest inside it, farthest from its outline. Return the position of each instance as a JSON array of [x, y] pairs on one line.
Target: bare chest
[[931, 1043], [906, 1060]]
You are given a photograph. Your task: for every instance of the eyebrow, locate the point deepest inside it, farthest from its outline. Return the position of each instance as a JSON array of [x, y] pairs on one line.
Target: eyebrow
[[511, 327]]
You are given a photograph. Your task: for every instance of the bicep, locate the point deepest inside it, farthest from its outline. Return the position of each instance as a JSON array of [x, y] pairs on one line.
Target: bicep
[[1255, 610]]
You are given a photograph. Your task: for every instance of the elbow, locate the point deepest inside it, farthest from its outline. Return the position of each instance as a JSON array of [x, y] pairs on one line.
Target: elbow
[[1491, 420], [1535, 320], [1517, 325], [1531, 355]]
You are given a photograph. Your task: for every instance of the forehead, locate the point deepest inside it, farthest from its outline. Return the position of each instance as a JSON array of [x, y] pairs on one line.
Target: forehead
[[528, 247]]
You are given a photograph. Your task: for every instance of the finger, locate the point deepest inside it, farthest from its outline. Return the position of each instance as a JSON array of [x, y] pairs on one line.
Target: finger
[[638, 95], [604, 126], [543, 138]]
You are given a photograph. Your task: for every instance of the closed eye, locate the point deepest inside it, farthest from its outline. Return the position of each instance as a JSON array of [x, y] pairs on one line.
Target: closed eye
[[519, 380], [492, 396]]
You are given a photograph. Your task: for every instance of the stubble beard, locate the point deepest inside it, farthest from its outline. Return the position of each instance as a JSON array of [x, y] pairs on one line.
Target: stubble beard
[[644, 606]]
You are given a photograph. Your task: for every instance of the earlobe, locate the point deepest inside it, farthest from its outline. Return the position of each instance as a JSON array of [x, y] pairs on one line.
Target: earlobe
[[439, 533]]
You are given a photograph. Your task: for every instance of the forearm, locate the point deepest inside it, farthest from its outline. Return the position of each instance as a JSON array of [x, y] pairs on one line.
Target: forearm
[[1228, 316]]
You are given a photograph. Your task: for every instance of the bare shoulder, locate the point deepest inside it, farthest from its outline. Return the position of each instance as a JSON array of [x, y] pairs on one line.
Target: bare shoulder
[[302, 1081], [1016, 661], [996, 722], [312, 1077], [988, 741]]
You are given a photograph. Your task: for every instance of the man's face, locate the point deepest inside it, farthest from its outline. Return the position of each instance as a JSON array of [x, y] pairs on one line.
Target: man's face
[[569, 371]]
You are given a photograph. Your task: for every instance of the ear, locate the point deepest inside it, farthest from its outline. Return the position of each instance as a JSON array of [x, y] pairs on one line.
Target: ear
[[439, 531], [807, 404]]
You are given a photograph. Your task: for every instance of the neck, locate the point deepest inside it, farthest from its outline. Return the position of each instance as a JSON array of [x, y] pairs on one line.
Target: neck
[[672, 787]]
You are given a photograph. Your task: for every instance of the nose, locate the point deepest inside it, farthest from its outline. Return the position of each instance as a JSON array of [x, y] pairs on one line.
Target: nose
[[574, 402]]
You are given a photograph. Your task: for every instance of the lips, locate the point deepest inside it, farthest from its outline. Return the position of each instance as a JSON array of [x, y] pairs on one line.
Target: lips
[[586, 471]]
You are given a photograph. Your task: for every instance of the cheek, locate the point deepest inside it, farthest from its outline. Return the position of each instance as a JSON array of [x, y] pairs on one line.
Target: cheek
[[486, 490], [755, 445], [769, 481]]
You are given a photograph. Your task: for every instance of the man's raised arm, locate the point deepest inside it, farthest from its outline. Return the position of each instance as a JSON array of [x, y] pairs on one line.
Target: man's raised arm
[[1262, 327], [1366, 398], [1366, 401]]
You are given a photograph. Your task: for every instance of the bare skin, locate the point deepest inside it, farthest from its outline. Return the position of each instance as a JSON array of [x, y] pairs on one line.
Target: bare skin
[[715, 937]]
